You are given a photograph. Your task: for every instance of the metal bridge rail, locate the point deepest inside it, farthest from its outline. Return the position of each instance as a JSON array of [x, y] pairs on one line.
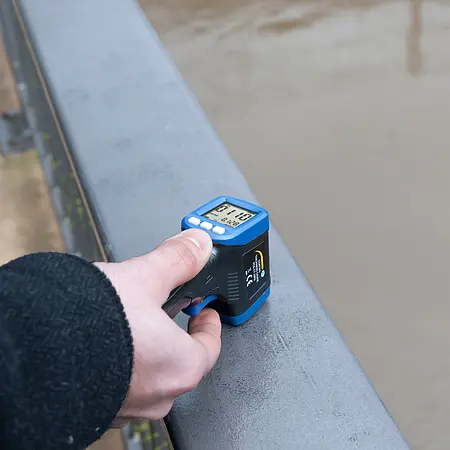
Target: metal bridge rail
[[127, 152]]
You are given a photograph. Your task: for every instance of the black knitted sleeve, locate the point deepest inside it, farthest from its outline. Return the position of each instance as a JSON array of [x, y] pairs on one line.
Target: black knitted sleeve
[[66, 353]]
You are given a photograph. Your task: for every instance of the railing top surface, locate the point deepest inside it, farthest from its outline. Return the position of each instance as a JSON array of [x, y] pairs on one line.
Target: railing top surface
[[146, 155]]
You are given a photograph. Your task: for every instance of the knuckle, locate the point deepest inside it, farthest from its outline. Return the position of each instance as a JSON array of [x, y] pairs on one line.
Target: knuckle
[[186, 382], [192, 378], [158, 411], [162, 410], [186, 385]]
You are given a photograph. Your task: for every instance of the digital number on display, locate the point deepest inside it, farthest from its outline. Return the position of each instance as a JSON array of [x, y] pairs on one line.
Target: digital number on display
[[229, 214]]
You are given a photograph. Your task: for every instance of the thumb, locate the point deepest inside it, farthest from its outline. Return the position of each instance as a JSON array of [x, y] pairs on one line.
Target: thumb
[[180, 258]]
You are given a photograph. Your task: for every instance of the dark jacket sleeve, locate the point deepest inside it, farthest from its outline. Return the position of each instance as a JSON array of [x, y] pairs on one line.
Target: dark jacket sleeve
[[65, 353]]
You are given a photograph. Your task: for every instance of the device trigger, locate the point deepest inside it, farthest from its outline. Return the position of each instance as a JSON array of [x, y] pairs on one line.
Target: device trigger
[[194, 310]]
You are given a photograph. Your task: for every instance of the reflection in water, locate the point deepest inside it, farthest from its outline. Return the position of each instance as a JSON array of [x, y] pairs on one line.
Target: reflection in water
[[308, 13], [288, 24], [315, 104], [413, 52]]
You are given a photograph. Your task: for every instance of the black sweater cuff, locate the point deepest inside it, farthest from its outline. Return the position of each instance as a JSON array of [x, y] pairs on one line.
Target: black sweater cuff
[[66, 353]]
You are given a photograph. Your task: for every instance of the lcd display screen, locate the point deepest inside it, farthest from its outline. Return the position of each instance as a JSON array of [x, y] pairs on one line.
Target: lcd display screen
[[229, 214]]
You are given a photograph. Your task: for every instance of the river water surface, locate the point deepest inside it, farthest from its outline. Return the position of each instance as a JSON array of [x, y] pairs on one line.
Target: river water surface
[[338, 114]]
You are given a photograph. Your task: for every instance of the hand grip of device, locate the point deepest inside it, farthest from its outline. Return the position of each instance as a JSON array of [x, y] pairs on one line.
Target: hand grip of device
[[235, 281], [191, 292]]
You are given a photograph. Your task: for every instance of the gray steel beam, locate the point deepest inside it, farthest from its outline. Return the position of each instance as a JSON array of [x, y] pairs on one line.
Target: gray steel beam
[[140, 154]]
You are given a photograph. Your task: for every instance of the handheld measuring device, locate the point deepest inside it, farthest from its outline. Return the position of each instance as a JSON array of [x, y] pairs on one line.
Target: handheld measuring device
[[236, 279]]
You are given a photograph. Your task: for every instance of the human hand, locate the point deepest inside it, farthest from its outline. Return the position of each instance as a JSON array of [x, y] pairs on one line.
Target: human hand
[[167, 360]]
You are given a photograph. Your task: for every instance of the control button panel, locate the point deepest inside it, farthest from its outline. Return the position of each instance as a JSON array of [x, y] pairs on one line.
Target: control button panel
[[206, 225]]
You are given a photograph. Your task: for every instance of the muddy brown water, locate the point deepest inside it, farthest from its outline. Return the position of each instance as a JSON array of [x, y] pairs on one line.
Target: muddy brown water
[[338, 114]]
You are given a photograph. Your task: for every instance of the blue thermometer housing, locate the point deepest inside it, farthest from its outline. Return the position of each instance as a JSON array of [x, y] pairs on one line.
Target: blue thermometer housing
[[236, 279]]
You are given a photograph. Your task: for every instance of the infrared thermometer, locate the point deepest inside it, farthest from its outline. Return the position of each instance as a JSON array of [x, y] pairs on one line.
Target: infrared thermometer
[[236, 279]]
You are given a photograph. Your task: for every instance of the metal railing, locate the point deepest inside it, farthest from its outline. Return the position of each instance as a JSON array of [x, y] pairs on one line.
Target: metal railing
[[127, 151]]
